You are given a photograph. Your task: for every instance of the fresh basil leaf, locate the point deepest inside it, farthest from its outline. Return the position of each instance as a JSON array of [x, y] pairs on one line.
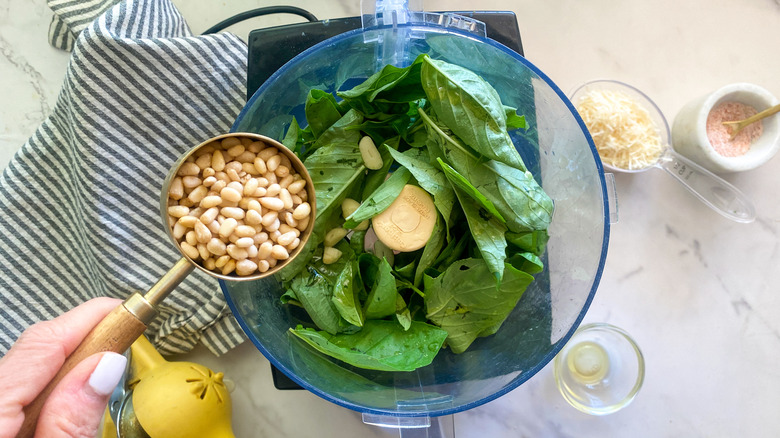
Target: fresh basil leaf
[[514, 193], [513, 120], [322, 111], [429, 178], [380, 199], [464, 303], [378, 277], [531, 241], [431, 250], [345, 293], [464, 185], [487, 232], [334, 169], [383, 91], [340, 134], [379, 345], [471, 108], [315, 295], [357, 241], [290, 139], [526, 262]]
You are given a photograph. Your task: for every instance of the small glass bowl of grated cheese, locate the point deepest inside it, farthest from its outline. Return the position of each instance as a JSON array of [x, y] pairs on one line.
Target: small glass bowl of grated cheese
[[631, 135], [628, 129]]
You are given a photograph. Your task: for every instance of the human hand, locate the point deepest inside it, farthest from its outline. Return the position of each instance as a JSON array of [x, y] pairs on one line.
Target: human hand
[[76, 405]]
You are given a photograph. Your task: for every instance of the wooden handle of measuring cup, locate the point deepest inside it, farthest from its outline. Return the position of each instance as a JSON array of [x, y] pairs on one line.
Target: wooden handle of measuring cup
[[116, 332]]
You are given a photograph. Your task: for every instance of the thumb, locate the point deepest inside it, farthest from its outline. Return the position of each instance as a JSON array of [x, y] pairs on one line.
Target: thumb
[[76, 406]]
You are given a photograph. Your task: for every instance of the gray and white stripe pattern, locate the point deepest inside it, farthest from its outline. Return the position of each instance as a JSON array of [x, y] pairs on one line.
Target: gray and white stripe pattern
[[80, 200]]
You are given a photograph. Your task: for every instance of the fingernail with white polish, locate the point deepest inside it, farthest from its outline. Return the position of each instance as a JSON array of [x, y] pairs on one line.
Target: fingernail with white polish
[[107, 373]]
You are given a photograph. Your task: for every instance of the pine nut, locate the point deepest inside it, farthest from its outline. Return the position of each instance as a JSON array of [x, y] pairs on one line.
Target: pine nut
[[330, 255], [203, 252], [264, 250], [303, 223], [286, 238], [253, 217], [176, 191], [203, 161], [197, 194], [282, 171], [218, 161], [190, 182], [222, 261], [210, 201], [333, 236], [227, 227], [251, 251], [295, 243], [232, 212], [178, 210], [267, 153], [286, 181], [263, 266], [229, 267], [296, 186], [191, 238], [216, 247], [272, 203], [348, 206], [246, 267], [301, 211], [260, 237], [274, 226], [245, 242], [236, 252], [187, 221], [230, 194], [279, 252], [273, 163], [370, 154], [251, 186], [202, 232], [235, 151], [209, 172], [209, 181], [269, 218], [255, 205], [273, 190], [188, 169], [189, 250], [256, 146], [245, 157], [210, 264], [245, 231], [286, 198]]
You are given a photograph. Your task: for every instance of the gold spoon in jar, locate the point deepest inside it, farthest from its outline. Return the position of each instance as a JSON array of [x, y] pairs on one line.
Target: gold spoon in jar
[[738, 125], [120, 328]]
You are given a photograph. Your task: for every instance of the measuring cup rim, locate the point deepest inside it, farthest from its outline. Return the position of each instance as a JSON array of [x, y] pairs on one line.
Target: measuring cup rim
[[298, 166]]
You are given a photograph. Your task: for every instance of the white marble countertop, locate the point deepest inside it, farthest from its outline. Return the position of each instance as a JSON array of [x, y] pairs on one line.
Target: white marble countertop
[[698, 293]]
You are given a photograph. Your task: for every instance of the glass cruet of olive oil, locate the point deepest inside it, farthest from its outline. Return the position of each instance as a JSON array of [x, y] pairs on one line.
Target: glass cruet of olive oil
[[600, 370]]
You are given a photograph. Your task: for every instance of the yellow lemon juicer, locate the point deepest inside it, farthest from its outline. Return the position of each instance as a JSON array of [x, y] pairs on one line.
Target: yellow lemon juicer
[[171, 399]]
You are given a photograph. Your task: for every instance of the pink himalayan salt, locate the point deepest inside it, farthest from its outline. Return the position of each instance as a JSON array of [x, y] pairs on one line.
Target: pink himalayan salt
[[719, 134]]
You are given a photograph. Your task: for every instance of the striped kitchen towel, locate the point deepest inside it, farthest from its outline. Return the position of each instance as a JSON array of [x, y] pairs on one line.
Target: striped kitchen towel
[[80, 200]]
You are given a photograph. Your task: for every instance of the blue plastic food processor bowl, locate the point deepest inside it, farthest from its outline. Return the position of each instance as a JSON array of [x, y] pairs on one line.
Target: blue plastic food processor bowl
[[558, 151]]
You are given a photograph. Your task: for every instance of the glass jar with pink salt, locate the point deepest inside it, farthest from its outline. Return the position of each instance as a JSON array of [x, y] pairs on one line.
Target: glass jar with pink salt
[[719, 135]]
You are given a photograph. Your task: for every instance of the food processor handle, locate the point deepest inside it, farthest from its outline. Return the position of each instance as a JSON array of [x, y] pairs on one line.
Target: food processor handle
[[712, 190]]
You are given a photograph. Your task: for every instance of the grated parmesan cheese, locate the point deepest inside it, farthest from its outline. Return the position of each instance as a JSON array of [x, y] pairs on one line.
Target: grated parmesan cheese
[[625, 135]]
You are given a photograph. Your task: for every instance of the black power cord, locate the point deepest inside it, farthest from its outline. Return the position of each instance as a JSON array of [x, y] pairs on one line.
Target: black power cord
[[259, 12]]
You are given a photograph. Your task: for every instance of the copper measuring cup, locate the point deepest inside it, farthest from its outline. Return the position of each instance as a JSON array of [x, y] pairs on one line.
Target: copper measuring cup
[[120, 328]]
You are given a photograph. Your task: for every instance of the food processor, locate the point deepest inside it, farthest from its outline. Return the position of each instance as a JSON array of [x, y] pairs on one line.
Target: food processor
[[556, 148]]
